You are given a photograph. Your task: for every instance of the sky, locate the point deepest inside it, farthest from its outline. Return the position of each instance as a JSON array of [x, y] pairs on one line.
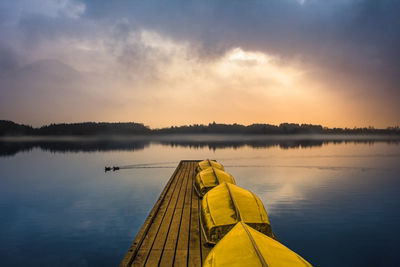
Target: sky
[[162, 63]]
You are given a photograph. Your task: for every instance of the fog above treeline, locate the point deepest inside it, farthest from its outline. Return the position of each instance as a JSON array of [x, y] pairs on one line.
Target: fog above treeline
[[9, 128]]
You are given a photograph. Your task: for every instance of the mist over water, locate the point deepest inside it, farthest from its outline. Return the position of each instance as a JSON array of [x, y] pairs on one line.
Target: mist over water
[[333, 201]]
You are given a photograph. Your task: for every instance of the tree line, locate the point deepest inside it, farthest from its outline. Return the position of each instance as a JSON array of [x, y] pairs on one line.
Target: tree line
[[9, 128]]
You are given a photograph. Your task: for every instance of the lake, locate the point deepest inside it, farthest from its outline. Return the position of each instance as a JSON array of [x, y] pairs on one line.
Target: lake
[[334, 201]]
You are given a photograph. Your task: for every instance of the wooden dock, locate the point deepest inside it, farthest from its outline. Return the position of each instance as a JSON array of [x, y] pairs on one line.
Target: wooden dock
[[171, 235]]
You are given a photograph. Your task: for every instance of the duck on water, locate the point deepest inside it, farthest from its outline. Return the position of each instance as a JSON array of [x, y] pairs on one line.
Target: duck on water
[[106, 169]]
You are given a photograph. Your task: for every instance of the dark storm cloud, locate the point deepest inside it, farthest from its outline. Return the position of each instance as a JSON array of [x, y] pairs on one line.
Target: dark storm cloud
[[360, 35], [358, 38]]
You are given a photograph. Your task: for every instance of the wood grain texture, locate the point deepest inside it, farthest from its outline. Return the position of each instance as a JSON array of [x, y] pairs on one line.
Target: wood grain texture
[[171, 235]]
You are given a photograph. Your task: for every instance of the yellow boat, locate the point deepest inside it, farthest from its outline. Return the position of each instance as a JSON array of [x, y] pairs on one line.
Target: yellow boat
[[244, 246], [205, 164], [210, 178], [227, 204]]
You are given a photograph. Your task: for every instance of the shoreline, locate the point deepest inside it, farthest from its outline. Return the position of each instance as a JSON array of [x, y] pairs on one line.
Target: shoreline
[[204, 137]]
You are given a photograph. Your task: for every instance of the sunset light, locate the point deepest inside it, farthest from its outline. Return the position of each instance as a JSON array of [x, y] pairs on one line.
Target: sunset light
[[131, 68], [199, 133]]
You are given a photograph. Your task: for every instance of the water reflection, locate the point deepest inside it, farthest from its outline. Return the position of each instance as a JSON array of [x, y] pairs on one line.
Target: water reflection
[[335, 203], [12, 146]]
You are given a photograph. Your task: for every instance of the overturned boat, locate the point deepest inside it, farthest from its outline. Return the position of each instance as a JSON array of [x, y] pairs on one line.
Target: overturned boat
[[227, 204], [205, 164], [210, 178], [244, 246]]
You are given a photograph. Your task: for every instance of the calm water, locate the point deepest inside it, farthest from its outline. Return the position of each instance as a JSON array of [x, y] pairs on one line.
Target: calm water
[[335, 203]]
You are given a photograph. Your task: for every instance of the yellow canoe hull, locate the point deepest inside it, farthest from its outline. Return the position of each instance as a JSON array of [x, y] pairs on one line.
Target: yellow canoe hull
[[227, 204], [210, 178], [205, 164], [245, 246]]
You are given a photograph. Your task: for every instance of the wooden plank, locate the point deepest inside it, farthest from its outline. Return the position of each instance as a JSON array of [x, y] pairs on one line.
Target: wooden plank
[[143, 232], [167, 258], [156, 251], [181, 252], [194, 258], [149, 240]]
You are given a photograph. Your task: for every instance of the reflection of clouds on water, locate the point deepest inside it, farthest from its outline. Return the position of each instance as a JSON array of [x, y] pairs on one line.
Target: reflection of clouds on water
[[274, 190], [286, 180], [319, 156], [332, 168], [286, 193]]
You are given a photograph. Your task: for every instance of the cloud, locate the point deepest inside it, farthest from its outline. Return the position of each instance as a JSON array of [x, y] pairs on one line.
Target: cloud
[[269, 60], [49, 8], [8, 60]]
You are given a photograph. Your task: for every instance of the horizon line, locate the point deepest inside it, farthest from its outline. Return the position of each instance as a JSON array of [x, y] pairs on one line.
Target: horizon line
[[201, 124]]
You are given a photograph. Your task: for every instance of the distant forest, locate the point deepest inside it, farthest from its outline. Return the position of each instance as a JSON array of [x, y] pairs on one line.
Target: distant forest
[[9, 128]]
